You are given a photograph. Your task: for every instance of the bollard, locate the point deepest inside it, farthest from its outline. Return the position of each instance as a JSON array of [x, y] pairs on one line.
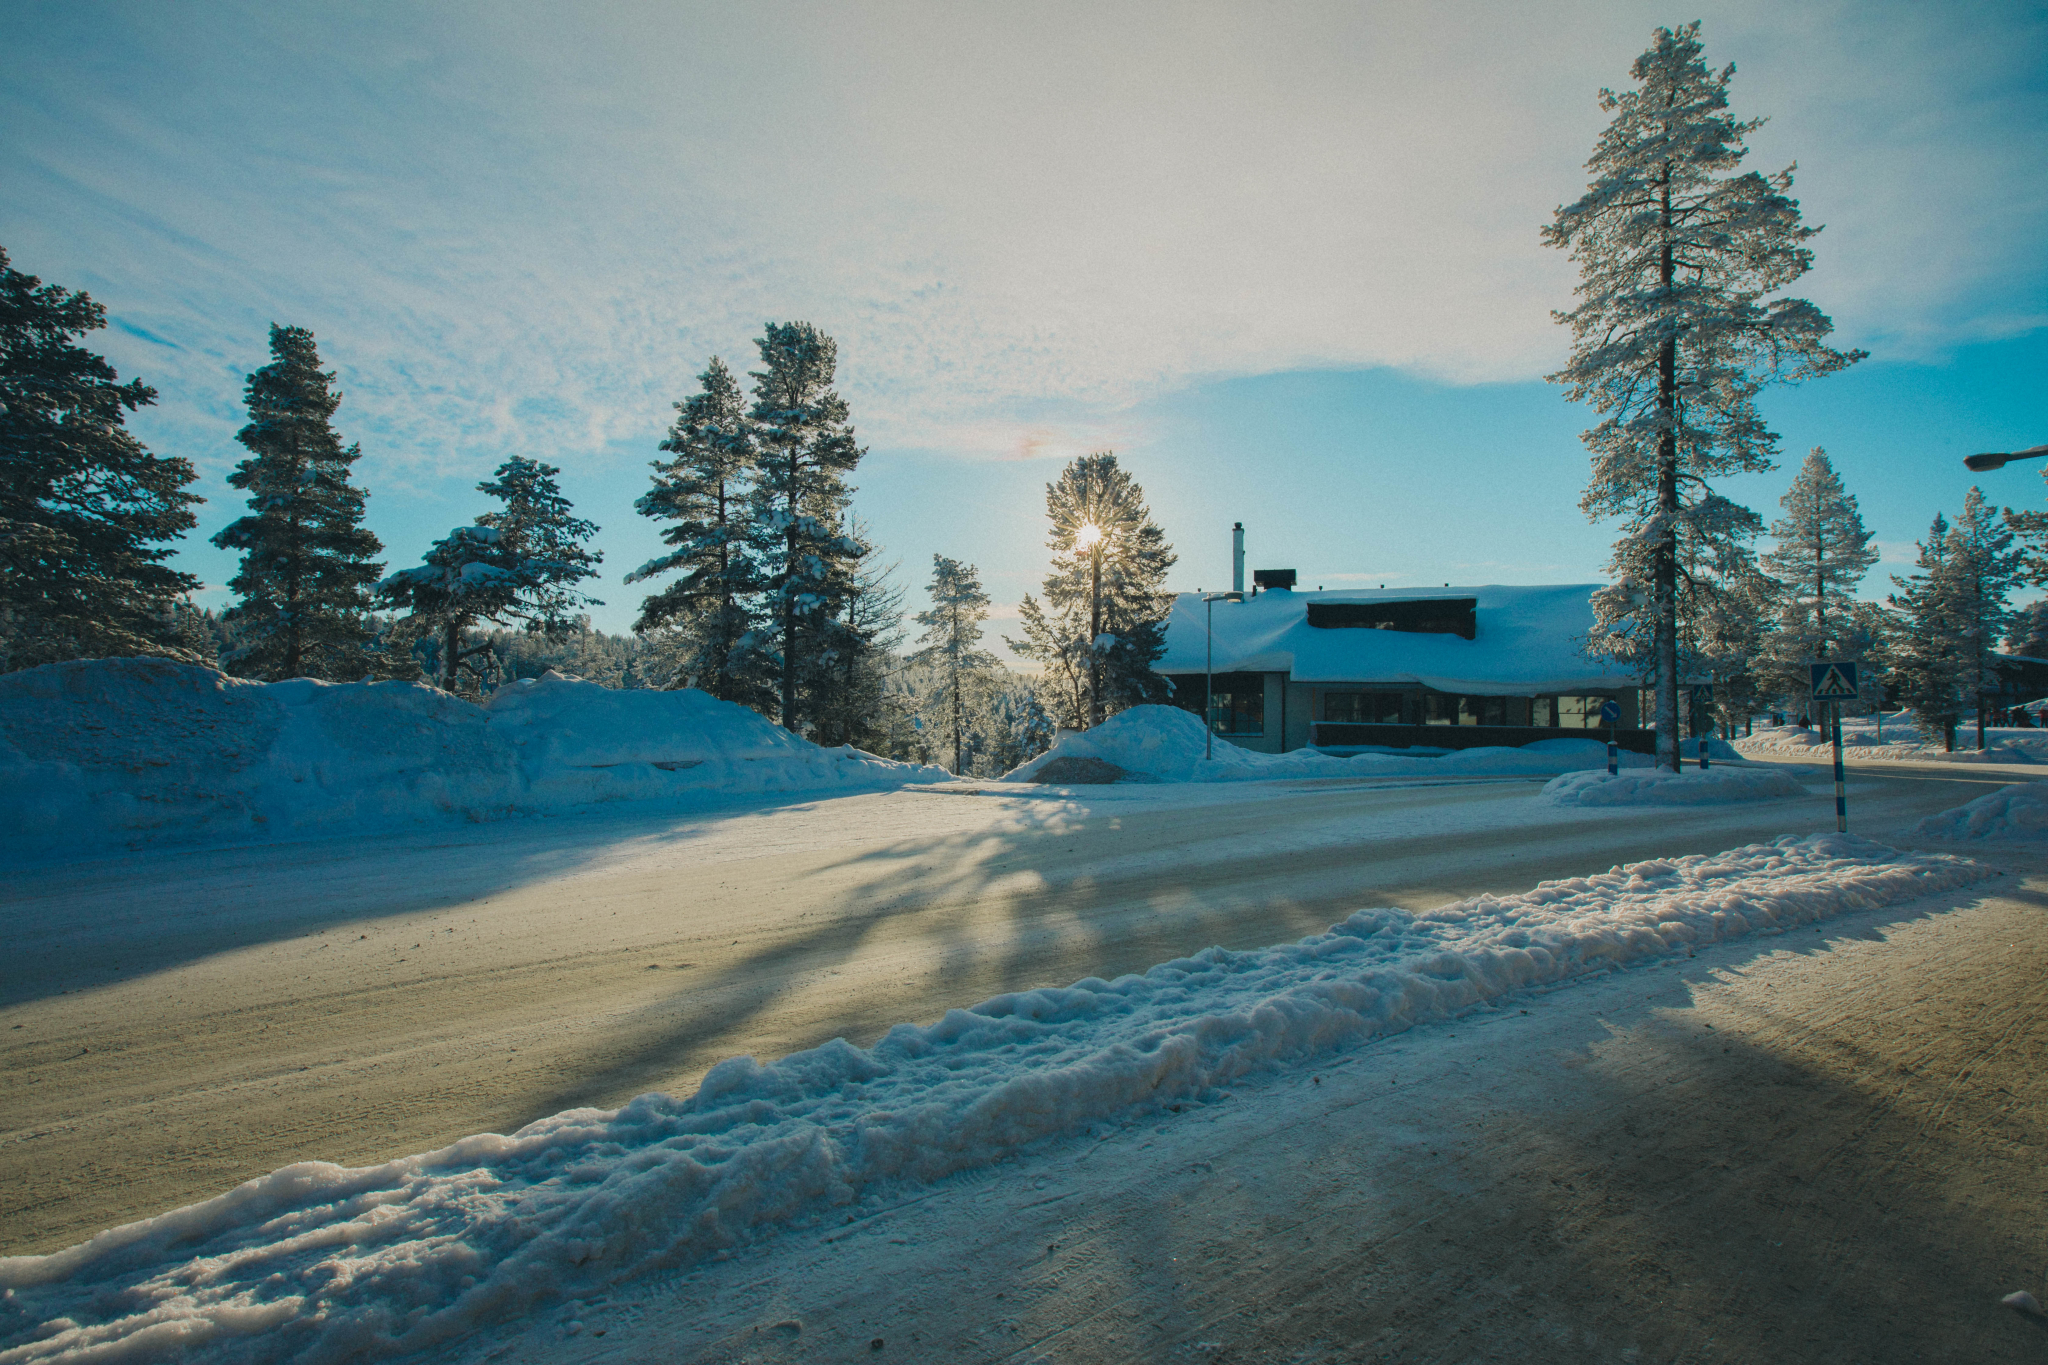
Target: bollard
[[1703, 753]]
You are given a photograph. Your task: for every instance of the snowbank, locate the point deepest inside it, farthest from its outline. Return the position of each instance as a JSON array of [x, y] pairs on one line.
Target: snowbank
[[321, 1262], [1660, 787], [113, 753], [2018, 812], [1165, 744], [1901, 739]]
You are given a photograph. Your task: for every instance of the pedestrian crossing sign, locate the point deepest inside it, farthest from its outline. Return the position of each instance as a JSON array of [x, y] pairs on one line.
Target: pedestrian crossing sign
[[1834, 681]]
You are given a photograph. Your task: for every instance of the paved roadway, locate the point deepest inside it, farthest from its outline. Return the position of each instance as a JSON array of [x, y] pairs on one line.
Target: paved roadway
[[172, 1024]]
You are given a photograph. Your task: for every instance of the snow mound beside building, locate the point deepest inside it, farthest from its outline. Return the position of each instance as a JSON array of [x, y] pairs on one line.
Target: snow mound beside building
[[115, 753], [323, 1262], [1166, 744], [1662, 787], [2015, 813]]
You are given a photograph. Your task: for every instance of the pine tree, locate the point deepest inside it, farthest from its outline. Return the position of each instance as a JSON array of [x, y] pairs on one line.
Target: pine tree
[[1735, 638], [86, 511], [845, 689], [1672, 337], [1108, 608], [707, 617], [951, 649], [1931, 650], [519, 565], [1821, 555], [1986, 568], [805, 448], [2028, 634], [306, 556]]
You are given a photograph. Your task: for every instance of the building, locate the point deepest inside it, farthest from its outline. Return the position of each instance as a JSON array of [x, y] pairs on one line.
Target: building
[[1445, 668]]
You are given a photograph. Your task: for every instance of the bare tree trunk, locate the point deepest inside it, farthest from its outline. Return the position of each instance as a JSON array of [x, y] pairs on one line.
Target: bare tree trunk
[[451, 653], [1666, 571], [1094, 634]]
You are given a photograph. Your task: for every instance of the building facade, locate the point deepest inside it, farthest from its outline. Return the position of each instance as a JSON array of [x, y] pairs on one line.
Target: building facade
[[1444, 668]]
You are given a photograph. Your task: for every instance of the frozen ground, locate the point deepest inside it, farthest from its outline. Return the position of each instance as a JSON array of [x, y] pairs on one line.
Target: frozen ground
[[190, 1018]]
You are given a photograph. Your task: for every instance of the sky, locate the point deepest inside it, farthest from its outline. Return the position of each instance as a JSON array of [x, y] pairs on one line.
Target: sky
[[1283, 259]]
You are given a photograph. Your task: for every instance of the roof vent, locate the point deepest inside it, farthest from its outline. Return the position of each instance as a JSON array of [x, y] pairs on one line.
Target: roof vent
[[1273, 578]]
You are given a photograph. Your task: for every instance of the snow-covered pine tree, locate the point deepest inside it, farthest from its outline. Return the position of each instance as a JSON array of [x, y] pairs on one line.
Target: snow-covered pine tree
[[1734, 633], [707, 617], [1058, 642], [1108, 608], [86, 511], [2028, 634], [307, 567], [1986, 568], [1672, 337], [1010, 727], [1821, 554], [1931, 655], [844, 689], [519, 565], [951, 649], [804, 449]]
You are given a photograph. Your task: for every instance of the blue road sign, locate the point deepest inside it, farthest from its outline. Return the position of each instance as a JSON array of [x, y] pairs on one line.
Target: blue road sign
[[1834, 681], [1610, 713]]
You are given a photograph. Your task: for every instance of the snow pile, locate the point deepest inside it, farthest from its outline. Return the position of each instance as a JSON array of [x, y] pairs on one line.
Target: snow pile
[[2018, 812], [112, 753], [1901, 739], [1166, 744], [320, 1262], [1662, 787]]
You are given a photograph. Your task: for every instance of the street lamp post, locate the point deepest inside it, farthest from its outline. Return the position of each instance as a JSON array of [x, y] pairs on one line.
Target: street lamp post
[[1209, 674]]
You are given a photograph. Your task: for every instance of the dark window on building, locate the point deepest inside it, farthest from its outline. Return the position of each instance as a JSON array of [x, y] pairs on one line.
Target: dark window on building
[[1362, 708], [1242, 714], [1543, 711], [1580, 713], [1443, 708], [1431, 616]]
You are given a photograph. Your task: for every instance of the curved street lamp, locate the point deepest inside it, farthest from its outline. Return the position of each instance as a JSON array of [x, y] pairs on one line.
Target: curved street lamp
[[1209, 675], [1999, 459]]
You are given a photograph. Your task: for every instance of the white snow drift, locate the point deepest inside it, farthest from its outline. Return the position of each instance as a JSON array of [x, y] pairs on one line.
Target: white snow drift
[[321, 1263], [113, 753], [2015, 813], [1661, 787], [1166, 744]]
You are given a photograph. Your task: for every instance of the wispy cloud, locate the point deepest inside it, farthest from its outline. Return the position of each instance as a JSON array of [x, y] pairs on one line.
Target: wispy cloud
[[515, 227]]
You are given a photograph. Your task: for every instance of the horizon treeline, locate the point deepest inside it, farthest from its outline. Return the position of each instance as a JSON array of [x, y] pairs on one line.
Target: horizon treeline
[[771, 592]]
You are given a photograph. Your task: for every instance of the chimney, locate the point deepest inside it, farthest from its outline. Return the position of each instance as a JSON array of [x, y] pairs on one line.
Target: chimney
[[1237, 557]]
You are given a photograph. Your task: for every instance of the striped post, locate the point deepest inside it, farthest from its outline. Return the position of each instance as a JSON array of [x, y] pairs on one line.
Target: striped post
[[1841, 798], [1613, 755], [1703, 753]]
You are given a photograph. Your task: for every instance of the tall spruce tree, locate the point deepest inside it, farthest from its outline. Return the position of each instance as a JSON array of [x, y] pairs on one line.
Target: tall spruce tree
[[517, 566], [1986, 568], [951, 649], [1673, 337], [804, 449], [307, 566], [87, 513], [1107, 623], [1931, 654], [707, 616], [1822, 553]]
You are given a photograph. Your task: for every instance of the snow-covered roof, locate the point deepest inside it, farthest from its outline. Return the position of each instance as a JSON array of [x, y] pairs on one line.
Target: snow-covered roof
[[1526, 640]]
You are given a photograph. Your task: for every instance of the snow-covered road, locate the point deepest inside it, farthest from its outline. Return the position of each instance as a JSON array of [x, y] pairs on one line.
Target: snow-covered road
[[174, 1023]]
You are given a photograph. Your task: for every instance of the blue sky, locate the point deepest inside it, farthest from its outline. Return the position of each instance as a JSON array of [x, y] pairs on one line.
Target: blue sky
[[1282, 258]]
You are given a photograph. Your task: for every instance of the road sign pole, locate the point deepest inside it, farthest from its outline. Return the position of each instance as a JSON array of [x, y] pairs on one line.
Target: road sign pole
[[1610, 711], [1841, 798]]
